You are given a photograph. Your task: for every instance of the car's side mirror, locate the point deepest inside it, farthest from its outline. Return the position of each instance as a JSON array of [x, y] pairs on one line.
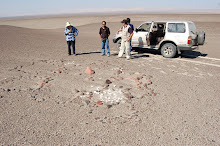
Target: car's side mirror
[[136, 30]]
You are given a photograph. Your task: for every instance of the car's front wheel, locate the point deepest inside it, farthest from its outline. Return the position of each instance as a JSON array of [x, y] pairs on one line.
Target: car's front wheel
[[169, 50], [118, 44]]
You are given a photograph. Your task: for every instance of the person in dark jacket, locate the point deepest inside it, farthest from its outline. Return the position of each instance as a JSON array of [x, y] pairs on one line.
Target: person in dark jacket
[[104, 33], [71, 32], [129, 23], [132, 27]]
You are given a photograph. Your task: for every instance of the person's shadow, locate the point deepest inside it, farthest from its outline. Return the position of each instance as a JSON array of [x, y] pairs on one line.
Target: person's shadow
[[141, 42], [87, 53]]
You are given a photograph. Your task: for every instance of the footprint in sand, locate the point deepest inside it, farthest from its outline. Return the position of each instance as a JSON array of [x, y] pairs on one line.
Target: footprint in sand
[[185, 73], [171, 66], [211, 75], [156, 68], [163, 72], [69, 63]]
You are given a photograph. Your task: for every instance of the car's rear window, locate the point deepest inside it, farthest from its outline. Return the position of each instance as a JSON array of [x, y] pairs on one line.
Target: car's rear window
[[192, 28], [177, 27]]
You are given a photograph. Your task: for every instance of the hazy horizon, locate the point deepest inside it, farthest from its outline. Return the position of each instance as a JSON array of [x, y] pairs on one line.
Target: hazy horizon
[[114, 13], [24, 8]]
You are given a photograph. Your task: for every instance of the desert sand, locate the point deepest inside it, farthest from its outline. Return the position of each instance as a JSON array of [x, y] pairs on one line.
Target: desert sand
[[46, 97]]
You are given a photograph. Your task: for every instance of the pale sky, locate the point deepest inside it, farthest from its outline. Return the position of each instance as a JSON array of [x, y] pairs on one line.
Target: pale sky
[[41, 7]]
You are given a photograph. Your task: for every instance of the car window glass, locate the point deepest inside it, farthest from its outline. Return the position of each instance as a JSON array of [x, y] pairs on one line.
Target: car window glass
[[176, 27], [145, 27], [192, 28]]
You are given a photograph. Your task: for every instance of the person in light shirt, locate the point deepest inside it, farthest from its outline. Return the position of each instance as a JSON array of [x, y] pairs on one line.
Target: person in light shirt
[[127, 34], [71, 32]]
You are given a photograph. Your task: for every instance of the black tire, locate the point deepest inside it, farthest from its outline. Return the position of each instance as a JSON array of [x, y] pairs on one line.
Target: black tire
[[118, 44], [169, 50], [201, 38]]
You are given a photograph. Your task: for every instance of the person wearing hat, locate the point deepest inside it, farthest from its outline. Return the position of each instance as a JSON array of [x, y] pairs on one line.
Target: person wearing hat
[[127, 34], [71, 32]]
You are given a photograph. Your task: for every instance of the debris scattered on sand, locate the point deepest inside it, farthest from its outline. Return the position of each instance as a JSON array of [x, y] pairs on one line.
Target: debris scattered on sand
[[111, 96], [48, 85], [91, 79], [118, 72], [87, 102], [89, 71], [108, 81], [149, 82], [99, 102], [42, 84]]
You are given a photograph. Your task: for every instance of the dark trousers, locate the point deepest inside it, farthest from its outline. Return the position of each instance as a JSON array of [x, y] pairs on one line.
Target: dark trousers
[[71, 43]]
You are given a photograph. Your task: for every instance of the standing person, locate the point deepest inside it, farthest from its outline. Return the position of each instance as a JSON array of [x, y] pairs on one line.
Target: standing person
[[71, 32], [132, 27], [104, 33], [127, 34], [129, 23]]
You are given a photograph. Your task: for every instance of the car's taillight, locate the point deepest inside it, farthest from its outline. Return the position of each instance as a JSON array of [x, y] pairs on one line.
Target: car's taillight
[[189, 39]]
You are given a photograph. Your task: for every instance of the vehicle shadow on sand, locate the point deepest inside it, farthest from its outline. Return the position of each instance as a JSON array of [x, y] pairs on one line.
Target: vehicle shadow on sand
[[135, 54], [191, 54], [140, 52], [185, 54], [139, 56]]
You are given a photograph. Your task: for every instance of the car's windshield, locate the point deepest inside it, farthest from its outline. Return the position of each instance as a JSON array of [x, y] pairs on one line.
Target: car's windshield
[[145, 27]]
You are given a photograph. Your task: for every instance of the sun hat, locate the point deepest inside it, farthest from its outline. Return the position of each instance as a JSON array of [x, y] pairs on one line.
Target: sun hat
[[124, 21], [68, 24]]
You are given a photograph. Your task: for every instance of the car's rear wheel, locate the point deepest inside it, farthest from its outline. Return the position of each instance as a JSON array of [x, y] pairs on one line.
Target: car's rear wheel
[[201, 38], [118, 44], [169, 50]]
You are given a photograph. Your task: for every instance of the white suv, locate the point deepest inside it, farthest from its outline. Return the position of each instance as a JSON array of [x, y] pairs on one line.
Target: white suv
[[170, 37]]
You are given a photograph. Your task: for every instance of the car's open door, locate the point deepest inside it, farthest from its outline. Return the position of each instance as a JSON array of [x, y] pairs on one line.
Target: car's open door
[[140, 34]]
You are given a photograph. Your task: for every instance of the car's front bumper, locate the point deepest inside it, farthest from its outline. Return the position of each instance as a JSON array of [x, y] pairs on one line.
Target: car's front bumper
[[186, 48]]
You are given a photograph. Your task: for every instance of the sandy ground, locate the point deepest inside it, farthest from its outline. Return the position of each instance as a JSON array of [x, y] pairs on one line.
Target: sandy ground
[[46, 98]]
